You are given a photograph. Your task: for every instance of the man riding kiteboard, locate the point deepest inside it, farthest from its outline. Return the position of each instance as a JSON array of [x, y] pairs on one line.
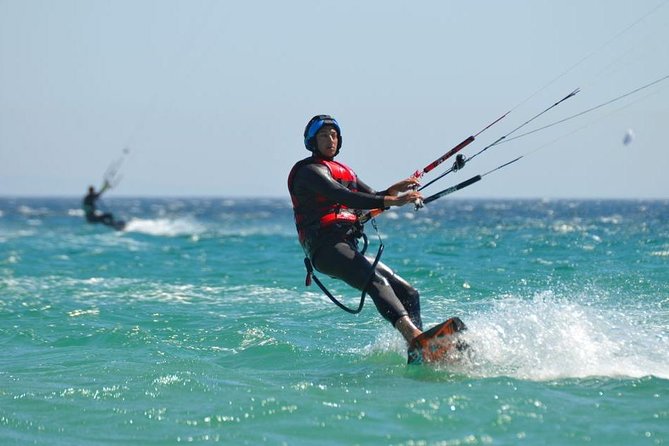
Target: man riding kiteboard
[[328, 198]]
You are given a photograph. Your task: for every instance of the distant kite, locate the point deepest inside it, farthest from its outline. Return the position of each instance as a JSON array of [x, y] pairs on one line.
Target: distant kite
[[629, 137]]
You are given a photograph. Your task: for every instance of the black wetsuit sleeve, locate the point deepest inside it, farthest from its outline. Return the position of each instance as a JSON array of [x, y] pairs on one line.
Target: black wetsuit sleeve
[[317, 179], [362, 187]]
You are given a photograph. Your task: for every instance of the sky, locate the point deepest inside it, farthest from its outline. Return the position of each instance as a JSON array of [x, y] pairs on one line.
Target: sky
[[210, 98]]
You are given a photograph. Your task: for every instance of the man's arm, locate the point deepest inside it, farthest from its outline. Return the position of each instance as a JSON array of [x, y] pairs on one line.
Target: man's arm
[[318, 180], [104, 187]]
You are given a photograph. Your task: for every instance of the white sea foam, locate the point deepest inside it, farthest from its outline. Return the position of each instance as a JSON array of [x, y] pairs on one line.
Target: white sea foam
[[29, 211], [75, 212], [169, 227], [548, 338]]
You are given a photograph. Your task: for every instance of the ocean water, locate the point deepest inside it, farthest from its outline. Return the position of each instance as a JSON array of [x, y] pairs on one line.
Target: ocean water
[[194, 326]]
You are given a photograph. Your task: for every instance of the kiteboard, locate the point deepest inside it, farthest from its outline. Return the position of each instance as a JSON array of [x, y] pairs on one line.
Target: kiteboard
[[440, 343], [119, 225]]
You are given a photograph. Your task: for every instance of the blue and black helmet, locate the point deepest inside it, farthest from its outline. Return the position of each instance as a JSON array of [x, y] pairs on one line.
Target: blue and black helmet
[[314, 125]]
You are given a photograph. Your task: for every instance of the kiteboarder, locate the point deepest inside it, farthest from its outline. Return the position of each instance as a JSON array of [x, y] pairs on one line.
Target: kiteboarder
[[92, 214], [327, 199]]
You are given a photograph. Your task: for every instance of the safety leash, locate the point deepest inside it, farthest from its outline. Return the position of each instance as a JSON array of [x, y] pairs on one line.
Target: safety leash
[[310, 275]]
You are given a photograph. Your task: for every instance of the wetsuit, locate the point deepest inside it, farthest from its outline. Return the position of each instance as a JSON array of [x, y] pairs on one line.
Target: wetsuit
[[92, 215], [332, 246]]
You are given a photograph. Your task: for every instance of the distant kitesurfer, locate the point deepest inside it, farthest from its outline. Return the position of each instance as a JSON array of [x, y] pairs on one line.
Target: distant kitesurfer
[[328, 198], [93, 215]]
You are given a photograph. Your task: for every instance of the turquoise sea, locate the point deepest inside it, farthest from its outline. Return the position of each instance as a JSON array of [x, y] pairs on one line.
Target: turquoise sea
[[194, 326]]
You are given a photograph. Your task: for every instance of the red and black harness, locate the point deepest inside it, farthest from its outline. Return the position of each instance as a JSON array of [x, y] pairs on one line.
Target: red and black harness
[[330, 213]]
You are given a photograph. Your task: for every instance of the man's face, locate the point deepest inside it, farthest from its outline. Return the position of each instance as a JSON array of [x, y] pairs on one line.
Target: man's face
[[327, 141]]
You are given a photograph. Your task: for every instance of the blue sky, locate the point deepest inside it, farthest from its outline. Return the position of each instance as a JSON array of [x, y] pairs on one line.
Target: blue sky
[[212, 97]]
